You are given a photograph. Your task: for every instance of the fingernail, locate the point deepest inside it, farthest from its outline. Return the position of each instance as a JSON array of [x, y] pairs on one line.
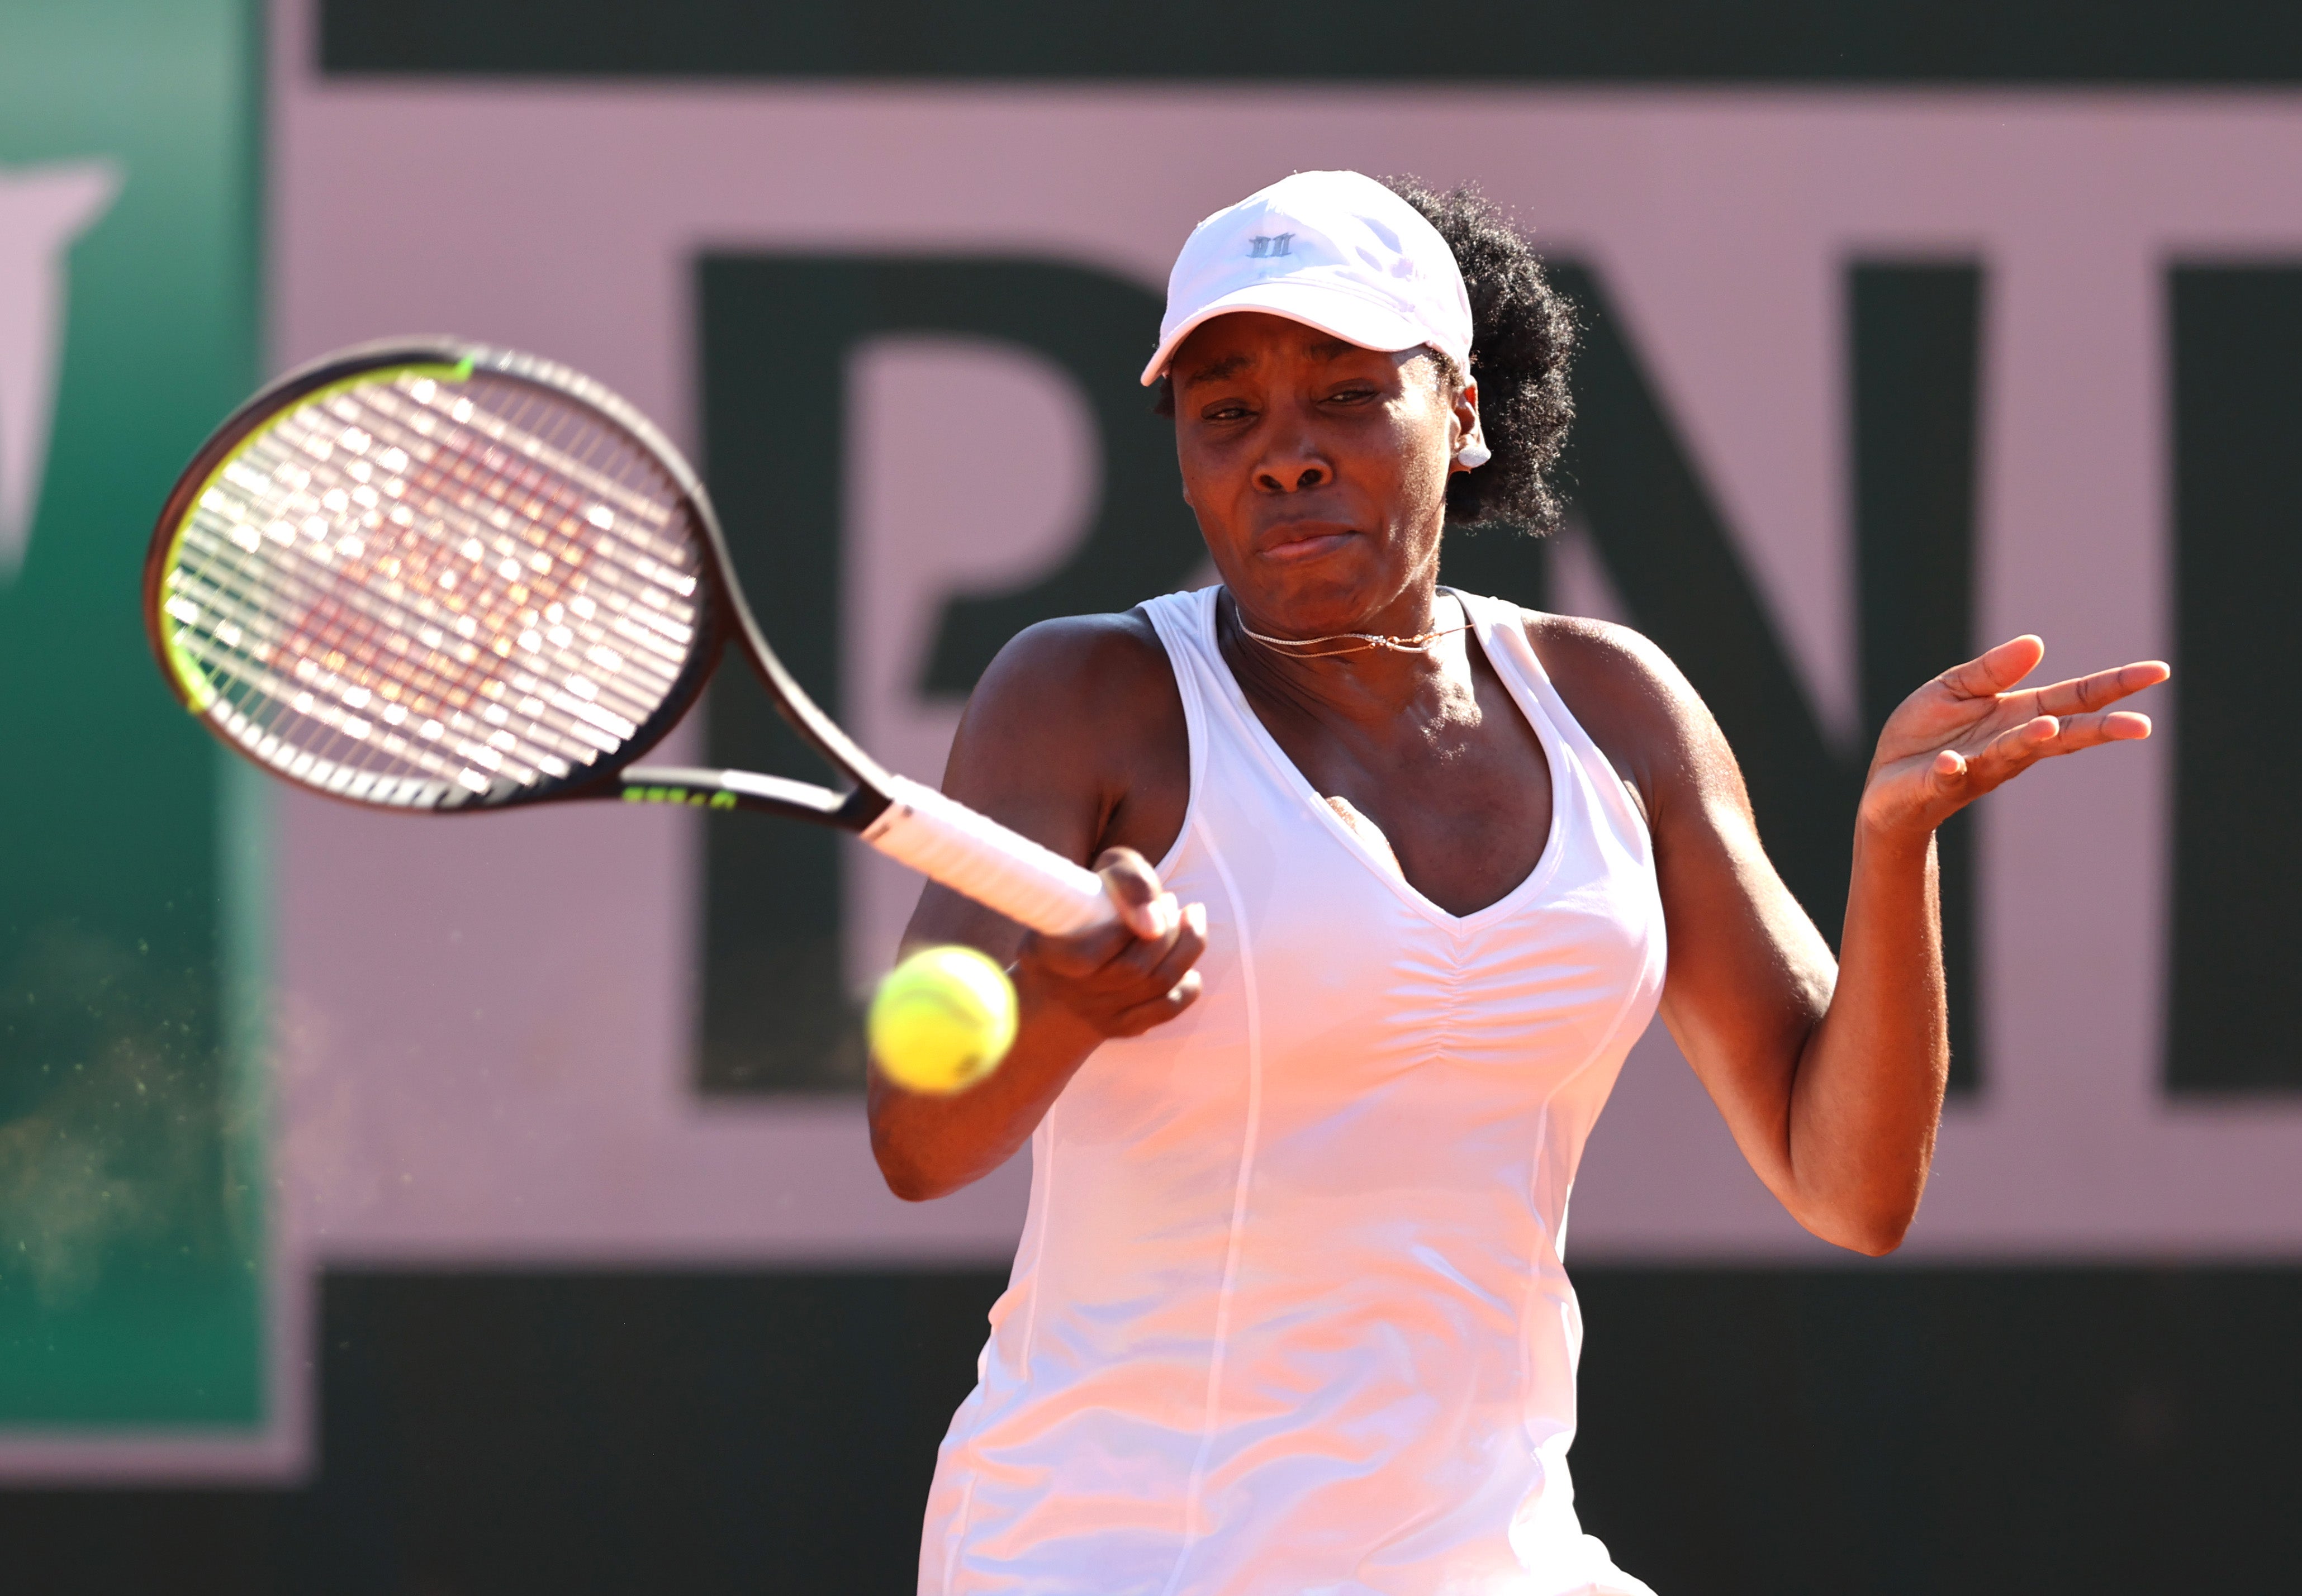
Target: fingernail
[[1196, 917], [1164, 915]]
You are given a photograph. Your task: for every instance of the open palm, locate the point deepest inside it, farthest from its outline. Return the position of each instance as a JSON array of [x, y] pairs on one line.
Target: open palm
[[1969, 730]]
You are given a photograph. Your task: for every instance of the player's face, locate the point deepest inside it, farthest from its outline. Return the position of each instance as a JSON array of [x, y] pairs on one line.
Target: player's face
[[1317, 469]]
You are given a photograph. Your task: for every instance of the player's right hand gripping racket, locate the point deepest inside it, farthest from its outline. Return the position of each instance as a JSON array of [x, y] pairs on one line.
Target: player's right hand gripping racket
[[433, 577]]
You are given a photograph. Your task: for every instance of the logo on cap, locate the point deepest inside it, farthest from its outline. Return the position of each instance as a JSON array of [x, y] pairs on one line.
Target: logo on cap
[[1263, 246]]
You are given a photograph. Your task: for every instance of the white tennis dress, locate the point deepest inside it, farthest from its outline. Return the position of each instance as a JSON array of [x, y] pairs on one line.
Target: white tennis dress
[[1289, 1312]]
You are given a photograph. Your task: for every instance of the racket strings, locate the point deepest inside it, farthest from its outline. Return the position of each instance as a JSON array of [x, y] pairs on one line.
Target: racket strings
[[408, 586], [479, 513], [249, 635], [480, 533], [327, 628]]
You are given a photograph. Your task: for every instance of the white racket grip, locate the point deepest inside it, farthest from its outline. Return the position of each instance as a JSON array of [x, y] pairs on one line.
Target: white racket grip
[[946, 840]]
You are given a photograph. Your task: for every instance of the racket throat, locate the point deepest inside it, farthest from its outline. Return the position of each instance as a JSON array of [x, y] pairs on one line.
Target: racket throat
[[688, 787]]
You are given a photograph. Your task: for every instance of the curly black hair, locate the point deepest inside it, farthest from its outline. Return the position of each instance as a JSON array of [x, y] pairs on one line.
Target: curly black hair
[[1523, 336]]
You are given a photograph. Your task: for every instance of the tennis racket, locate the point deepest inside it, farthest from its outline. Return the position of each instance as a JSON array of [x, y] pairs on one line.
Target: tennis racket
[[436, 577]]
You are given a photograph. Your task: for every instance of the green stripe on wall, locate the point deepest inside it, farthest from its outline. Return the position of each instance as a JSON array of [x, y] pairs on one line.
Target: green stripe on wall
[[1707, 41], [131, 1136]]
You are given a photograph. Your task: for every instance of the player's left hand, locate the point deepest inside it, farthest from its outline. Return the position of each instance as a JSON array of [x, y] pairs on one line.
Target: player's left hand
[[1968, 731]]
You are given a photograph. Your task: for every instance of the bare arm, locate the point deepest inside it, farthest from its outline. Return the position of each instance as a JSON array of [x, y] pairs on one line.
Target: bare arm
[[1830, 1075], [1072, 738]]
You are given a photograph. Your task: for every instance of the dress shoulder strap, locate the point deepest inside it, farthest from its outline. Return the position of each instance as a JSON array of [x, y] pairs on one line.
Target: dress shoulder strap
[[1185, 623], [1501, 627]]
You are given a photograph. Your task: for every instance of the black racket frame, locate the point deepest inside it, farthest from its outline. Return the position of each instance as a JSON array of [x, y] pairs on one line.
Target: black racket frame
[[727, 617]]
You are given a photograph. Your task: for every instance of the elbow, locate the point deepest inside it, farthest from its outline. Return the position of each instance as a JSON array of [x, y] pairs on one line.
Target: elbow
[[897, 1154], [926, 1147], [905, 1178], [1878, 1240], [1873, 1234], [913, 1187], [907, 1175], [1869, 1211]]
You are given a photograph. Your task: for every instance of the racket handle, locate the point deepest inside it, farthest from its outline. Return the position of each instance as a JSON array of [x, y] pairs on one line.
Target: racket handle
[[946, 840]]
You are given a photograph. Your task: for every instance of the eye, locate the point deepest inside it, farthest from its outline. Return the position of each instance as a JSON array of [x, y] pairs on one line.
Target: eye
[[1224, 410], [1352, 393]]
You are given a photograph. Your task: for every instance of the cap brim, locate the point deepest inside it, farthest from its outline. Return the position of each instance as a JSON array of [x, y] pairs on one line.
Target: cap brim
[[1346, 314]]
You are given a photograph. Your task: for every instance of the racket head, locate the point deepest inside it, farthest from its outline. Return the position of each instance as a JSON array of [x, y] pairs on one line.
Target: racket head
[[429, 574]]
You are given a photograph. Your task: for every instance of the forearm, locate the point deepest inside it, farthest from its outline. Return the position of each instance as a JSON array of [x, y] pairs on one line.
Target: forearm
[[1866, 1099], [1830, 1073], [1070, 994], [929, 1145]]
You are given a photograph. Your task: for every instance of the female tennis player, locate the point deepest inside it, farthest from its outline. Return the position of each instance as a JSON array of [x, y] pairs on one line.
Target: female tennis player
[[1289, 1312]]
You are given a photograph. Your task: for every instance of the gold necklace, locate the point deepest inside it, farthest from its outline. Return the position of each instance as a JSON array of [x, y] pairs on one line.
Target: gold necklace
[[1353, 642]]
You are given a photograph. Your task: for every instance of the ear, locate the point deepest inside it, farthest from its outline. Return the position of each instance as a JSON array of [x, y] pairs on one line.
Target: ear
[[1469, 451]]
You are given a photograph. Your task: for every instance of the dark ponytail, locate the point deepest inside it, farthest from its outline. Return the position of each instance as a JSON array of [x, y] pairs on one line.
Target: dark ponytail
[[1522, 342]]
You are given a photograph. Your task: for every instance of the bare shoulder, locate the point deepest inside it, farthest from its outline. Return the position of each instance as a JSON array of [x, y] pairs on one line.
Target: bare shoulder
[[1637, 705], [1076, 736], [1079, 674]]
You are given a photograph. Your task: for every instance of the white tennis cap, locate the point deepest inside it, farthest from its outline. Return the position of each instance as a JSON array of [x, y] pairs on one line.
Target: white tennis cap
[[1335, 250]]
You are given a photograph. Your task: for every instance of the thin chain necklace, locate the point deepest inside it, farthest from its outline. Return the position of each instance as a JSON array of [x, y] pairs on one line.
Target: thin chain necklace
[[1352, 642]]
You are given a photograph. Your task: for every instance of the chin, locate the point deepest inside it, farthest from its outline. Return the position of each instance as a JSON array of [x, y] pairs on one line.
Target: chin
[[1330, 593]]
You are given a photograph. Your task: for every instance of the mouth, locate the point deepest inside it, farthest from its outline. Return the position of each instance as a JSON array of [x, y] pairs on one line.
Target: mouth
[[1306, 540]]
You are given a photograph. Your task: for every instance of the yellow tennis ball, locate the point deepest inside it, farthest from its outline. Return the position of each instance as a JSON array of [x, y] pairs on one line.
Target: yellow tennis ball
[[942, 1019]]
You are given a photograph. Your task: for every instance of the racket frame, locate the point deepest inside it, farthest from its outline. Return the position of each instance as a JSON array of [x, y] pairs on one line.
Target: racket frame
[[725, 616]]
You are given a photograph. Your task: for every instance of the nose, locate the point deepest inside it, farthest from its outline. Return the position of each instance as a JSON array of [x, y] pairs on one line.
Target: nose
[[1292, 461], [1309, 476]]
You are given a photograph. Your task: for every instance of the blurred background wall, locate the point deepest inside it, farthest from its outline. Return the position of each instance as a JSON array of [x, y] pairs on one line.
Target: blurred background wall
[[399, 1208]]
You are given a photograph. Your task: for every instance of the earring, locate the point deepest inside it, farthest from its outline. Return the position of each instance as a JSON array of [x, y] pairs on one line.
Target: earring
[[1473, 454]]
